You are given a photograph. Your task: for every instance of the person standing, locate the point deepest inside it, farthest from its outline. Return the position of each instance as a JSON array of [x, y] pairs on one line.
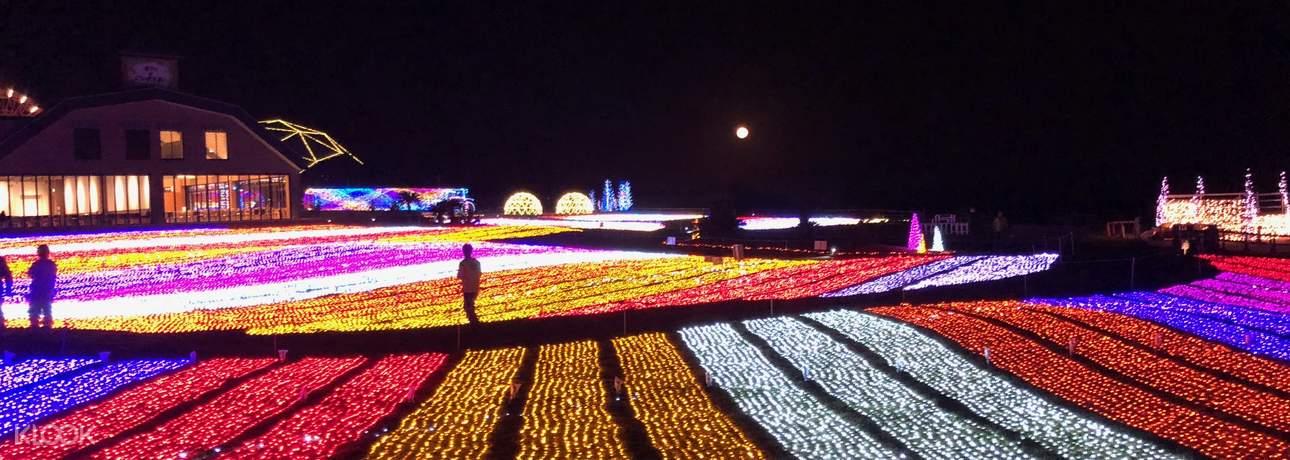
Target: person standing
[[44, 277], [468, 272], [6, 286]]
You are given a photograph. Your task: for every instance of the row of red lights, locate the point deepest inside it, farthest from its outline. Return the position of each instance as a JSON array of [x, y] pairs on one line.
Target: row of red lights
[[1199, 387], [203, 429], [781, 284], [1184, 346], [1062, 376], [132, 408], [339, 419]]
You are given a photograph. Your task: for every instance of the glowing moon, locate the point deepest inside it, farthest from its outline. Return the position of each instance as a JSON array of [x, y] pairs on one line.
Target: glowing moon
[[741, 132]]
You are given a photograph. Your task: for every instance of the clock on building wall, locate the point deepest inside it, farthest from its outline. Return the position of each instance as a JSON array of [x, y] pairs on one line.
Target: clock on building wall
[[143, 70]]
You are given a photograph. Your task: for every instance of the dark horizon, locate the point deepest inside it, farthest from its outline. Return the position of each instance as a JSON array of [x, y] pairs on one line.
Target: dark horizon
[[1040, 110]]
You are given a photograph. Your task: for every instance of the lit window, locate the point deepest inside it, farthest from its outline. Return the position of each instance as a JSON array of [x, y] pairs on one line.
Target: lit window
[[216, 145], [172, 145]]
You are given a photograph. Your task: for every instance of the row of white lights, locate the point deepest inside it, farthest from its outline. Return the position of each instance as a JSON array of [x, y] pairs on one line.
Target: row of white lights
[[799, 421], [1066, 432], [915, 421]]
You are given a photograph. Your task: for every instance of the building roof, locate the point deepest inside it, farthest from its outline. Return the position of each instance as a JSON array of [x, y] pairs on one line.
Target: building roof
[[20, 136]]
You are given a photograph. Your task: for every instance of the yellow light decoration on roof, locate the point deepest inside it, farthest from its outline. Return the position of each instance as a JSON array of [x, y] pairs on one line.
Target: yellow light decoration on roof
[[522, 204], [319, 146], [574, 203], [15, 104]]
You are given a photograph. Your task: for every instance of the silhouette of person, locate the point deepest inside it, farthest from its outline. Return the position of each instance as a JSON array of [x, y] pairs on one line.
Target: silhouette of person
[[44, 277], [6, 286], [468, 272]]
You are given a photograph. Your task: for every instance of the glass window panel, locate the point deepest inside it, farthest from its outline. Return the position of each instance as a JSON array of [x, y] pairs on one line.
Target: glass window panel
[[4, 198], [30, 206], [172, 145], [96, 195], [216, 145], [131, 193], [15, 196], [69, 195]]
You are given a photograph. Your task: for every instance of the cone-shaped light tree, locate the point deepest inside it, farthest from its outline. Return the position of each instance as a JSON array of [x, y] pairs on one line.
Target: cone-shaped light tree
[[915, 235]]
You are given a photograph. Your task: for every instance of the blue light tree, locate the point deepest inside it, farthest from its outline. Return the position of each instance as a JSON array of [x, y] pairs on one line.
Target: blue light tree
[[610, 204], [625, 195]]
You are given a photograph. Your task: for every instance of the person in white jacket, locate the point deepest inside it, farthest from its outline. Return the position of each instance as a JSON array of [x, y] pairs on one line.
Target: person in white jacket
[[468, 272]]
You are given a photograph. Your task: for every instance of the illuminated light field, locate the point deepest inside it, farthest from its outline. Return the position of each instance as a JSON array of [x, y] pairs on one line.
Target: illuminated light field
[[232, 413], [781, 223], [1245, 307], [1064, 431], [132, 407], [988, 269], [456, 421], [627, 221], [377, 199], [308, 279], [798, 421], [1104, 394], [565, 414], [1161, 309], [794, 280], [19, 409], [666, 398], [35, 370], [340, 418], [1263, 267], [904, 278], [833, 384], [1205, 389], [1253, 319], [915, 421], [1182, 346]]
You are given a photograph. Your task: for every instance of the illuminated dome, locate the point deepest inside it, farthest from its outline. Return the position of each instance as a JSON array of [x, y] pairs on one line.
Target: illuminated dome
[[574, 203], [523, 204], [16, 104]]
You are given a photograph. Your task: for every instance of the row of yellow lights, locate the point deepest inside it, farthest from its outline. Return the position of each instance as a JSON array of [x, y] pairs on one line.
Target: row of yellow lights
[[506, 295], [561, 289], [565, 415], [678, 417], [458, 419]]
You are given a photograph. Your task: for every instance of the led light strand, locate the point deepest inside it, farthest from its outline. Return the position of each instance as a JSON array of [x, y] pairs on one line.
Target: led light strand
[[565, 414], [1201, 388], [678, 417], [1070, 434], [797, 420], [903, 278], [131, 408], [915, 421], [458, 419], [218, 421], [345, 414], [23, 408], [989, 269], [1061, 376], [36, 370], [1183, 346]]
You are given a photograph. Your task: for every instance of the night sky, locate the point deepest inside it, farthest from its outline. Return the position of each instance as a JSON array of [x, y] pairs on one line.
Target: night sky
[[1042, 109]]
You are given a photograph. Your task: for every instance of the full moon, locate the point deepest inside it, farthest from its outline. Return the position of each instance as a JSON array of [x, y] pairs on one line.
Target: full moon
[[741, 132]]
